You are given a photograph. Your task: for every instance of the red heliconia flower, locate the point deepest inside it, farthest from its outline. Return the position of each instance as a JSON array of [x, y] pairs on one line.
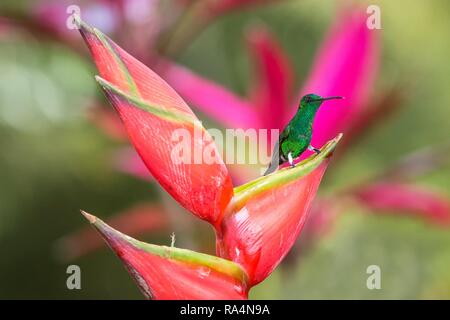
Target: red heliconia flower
[[272, 92], [266, 215], [256, 224], [346, 64], [142, 98], [407, 199], [270, 99], [170, 273]]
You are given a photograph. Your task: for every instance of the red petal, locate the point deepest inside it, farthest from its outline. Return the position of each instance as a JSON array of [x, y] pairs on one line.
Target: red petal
[[345, 66], [274, 78], [210, 98], [267, 216], [170, 273], [128, 74], [406, 199], [152, 112]]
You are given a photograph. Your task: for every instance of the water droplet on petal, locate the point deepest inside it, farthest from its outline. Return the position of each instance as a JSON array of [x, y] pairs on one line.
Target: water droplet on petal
[[203, 272], [238, 289]]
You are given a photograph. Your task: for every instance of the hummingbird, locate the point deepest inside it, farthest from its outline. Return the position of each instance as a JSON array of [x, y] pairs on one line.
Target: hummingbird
[[296, 136]]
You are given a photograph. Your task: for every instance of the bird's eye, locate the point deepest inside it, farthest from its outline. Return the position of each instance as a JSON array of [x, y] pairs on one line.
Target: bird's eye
[[307, 99]]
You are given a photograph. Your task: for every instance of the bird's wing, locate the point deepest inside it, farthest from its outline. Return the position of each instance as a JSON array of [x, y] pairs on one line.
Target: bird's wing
[[276, 160], [284, 134], [283, 137]]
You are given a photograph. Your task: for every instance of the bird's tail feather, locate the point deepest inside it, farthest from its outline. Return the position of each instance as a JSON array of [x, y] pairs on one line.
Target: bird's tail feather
[[275, 162], [272, 167]]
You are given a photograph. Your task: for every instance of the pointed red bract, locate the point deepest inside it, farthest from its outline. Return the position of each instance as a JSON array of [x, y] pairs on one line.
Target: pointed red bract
[[169, 273], [260, 234], [209, 97], [272, 93], [407, 200], [346, 66], [266, 216], [160, 126]]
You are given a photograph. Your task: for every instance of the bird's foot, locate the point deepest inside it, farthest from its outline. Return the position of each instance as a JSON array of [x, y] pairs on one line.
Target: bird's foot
[[311, 148], [291, 160]]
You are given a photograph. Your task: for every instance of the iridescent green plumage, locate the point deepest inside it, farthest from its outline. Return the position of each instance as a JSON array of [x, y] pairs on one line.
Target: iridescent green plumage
[[296, 137]]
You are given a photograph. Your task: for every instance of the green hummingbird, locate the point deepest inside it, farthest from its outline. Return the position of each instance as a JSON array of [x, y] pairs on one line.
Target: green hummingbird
[[296, 136]]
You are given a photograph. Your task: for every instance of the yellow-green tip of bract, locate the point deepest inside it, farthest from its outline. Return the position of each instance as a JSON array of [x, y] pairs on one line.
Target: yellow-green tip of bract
[[220, 265], [92, 219]]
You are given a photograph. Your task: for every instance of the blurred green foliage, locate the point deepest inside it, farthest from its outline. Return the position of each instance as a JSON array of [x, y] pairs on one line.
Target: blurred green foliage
[[54, 162]]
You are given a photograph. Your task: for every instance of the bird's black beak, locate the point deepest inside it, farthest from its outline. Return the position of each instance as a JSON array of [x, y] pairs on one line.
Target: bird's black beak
[[330, 98]]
